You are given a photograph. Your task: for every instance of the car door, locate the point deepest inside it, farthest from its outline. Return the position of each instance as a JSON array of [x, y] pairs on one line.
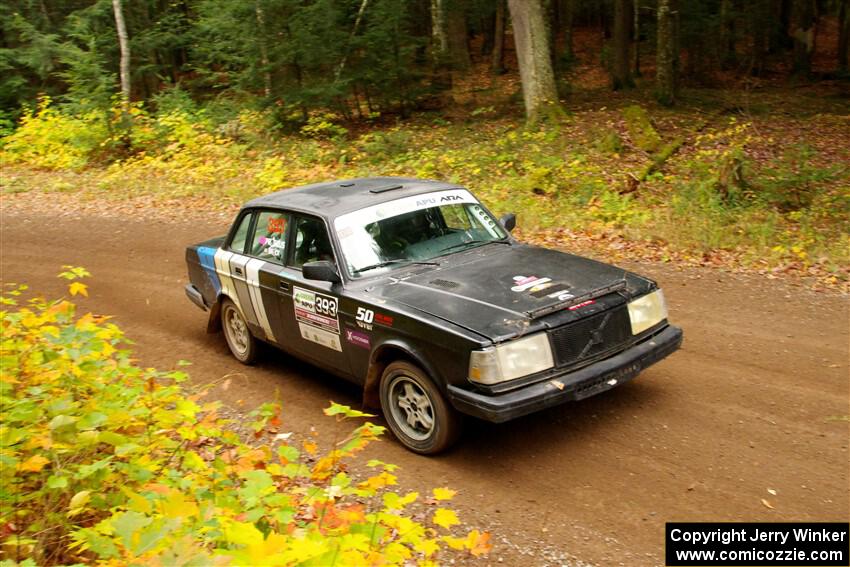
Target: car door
[[266, 251], [239, 268], [314, 306]]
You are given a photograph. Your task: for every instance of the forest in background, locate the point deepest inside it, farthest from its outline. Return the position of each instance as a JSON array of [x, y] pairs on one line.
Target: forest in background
[[361, 57], [681, 130]]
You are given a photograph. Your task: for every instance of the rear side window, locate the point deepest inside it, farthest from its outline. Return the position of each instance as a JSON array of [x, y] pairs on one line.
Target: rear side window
[[311, 242], [269, 240], [238, 242]]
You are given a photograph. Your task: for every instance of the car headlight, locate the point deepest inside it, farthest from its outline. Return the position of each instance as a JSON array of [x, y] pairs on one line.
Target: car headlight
[[511, 360], [647, 311]]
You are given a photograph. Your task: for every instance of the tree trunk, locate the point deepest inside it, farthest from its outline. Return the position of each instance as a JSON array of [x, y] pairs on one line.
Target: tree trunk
[[803, 34], [264, 48], [353, 33], [497, 59], [727, 34], [458, 35], [636, 40], [535, 66], [124, 46], [566, 17], [779, 12], [762, 36], [487, 28], [439, 33], [550, 21], [440, 45], [44, 14], [665, 73], [843, 35], [621, 74]]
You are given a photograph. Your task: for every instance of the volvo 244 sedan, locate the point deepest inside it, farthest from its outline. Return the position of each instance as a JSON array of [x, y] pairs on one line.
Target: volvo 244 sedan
[[414, 290]]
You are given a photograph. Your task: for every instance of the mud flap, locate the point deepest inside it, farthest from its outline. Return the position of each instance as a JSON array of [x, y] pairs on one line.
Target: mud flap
[[214, 322]]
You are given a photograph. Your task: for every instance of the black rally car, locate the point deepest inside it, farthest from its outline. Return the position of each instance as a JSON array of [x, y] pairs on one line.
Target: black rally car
[[414, 290]]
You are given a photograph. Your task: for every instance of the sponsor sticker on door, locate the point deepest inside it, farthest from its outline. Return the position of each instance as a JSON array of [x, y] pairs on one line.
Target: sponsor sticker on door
[[358, 338], [320, 336], [316, 310], [385, 320]]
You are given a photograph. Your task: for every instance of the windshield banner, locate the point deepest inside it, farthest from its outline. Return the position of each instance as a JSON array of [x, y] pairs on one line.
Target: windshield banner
[[346, 224]]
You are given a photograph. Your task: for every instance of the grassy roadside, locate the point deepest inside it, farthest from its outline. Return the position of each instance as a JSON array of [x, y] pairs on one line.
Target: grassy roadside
[[758, 187]]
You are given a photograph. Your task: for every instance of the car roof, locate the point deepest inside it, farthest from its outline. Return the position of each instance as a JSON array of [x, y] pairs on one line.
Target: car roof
[[334, 198]]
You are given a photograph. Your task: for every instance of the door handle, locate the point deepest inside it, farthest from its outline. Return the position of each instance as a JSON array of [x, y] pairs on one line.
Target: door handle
[[237, 270], [284, 286]]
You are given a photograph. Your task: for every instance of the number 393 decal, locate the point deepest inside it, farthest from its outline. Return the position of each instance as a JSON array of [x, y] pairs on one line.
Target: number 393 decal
[[315, 309], [326, 305]]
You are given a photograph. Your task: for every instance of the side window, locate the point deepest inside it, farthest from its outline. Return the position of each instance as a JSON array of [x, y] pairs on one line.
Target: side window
[[269, 240], [311, 242], [456, 217], [238, 242]]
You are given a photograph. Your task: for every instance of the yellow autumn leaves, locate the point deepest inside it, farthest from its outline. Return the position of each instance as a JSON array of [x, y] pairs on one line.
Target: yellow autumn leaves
[[119, 464]]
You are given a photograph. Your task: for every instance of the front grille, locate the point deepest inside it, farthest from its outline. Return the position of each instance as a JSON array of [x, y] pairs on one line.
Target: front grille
[[588, 338]]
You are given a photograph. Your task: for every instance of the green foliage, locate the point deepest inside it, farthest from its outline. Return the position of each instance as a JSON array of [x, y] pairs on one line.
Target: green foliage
[[7, 125], [615, 209], [794, 183], [174, 99], [726, 202], [641, 132], [28, 57], [309, 56], [380, 146], [609, 141], [711, 194], [52, 139], [104, 462], [322, 126], [84, 59]]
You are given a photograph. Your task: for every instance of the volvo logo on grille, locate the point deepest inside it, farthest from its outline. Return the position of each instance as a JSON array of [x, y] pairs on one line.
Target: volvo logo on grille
[[596, 336]]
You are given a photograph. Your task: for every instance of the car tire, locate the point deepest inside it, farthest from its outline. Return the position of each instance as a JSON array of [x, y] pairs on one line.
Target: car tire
[[415, 410], [241, 342]]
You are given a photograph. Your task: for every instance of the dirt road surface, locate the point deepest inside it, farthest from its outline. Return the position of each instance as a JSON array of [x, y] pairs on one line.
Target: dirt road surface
[[756, 400]]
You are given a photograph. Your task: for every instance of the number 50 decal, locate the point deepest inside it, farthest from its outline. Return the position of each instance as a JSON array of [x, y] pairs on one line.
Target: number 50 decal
[[365, 315]]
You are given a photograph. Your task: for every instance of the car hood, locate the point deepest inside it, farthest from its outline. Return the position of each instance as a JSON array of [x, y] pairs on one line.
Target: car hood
[[501, 291]]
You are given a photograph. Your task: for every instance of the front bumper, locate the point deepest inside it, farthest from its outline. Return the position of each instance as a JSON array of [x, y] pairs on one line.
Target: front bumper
[[577, 385]]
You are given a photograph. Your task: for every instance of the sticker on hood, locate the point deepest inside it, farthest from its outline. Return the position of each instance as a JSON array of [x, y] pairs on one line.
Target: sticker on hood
[[582, 304], [523, 283]]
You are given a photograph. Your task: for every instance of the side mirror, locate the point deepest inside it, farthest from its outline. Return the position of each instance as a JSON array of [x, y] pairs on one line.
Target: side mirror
[[508, 221], [322, 270]]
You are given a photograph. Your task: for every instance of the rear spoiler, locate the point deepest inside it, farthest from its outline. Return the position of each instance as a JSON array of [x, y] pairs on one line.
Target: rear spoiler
[[599, 292]]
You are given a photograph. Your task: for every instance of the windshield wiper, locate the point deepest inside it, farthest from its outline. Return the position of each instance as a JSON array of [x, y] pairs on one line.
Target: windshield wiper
[[393, 261], [468, 242]]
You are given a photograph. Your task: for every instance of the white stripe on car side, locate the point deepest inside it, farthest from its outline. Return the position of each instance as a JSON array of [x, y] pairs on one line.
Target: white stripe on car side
[[222, 267], [238, 262], [252, 278]]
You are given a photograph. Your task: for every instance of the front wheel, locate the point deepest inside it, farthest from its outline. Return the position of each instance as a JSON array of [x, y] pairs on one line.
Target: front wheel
[[416, 411], [242, 343]]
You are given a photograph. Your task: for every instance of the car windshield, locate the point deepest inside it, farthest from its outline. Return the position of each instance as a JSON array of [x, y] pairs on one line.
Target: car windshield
[[414, 229]]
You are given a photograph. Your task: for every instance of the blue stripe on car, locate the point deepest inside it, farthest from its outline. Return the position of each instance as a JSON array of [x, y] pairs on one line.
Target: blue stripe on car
[[207, 258]]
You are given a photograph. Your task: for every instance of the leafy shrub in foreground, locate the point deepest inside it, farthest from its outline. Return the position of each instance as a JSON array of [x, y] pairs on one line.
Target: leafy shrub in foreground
[[102, 461]]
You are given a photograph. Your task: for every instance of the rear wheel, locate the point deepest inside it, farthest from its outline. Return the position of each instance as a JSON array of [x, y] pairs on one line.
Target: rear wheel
[[416, 411], [242, 343]]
